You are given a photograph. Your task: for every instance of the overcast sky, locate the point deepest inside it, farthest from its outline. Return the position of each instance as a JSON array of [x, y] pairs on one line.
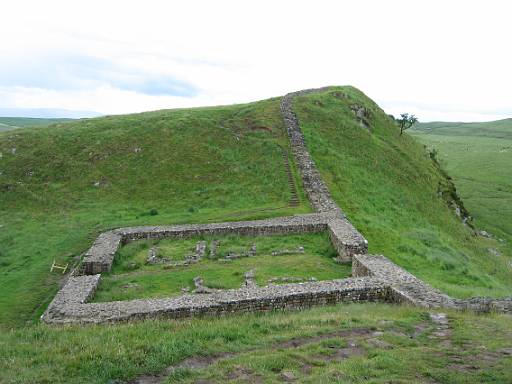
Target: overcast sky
[[442, 60]]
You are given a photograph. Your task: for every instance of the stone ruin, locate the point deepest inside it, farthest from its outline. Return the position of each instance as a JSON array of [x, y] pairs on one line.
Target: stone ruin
[[374, 277], [280, 252]]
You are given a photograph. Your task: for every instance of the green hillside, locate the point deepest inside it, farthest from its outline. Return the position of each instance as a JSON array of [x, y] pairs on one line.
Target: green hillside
[[479, 157], [389, 188], [62, 185], [8, 123], [65, 184]]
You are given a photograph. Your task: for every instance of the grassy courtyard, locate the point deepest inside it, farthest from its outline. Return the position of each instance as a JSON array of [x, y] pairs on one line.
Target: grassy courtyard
[[132, 277]]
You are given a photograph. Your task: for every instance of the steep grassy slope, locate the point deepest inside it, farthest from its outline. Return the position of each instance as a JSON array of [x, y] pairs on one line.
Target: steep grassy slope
[[479, 158], [389, 187], [8, 123], [62, 185]]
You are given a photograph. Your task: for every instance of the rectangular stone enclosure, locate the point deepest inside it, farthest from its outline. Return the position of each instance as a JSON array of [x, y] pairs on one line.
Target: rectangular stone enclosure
[[345, 238]]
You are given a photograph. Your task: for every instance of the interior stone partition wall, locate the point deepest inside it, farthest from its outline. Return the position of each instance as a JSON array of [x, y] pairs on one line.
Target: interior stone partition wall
[[374, 277]]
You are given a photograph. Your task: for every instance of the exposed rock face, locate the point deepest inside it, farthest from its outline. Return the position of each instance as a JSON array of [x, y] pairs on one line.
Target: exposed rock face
[[362, 115]]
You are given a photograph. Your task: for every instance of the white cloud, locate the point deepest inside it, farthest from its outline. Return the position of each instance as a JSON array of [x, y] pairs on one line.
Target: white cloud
[[432, 54]]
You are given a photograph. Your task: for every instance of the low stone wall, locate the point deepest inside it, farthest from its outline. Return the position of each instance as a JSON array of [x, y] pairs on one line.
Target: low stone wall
[[100, 256], [407, 288], [486, 304], [257, 299], [316, 190], [404, 286], [375, 278], [346, 239]]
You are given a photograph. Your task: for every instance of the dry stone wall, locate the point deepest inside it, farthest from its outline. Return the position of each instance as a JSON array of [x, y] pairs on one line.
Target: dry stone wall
[[289, 296], [315, 188], [375, 278], [100, 256]]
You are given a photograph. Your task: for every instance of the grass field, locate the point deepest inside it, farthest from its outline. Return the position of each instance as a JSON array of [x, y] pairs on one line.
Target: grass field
[[60, 186], [360, 343], [131, 278], [479, 158]]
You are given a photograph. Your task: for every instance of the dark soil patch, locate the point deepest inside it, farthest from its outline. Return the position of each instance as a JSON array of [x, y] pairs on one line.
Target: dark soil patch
[[343, 353], [298, 342], [244, 375]]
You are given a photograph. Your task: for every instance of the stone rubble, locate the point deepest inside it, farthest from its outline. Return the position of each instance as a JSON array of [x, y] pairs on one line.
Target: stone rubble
[[250, 282], [200, 287], [154, 258], [280, 252]]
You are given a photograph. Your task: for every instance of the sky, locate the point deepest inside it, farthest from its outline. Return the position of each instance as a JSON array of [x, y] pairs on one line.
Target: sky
[[440, 60]]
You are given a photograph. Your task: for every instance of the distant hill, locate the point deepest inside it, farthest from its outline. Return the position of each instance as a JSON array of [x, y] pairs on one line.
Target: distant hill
[[501, 129], [47, 113], [479, 158], [8, 123]]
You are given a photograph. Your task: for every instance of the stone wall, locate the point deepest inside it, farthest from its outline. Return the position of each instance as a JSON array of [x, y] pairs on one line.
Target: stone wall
[[375, 278], [100, 256], [408, 289], [316, 190], [255, 299]]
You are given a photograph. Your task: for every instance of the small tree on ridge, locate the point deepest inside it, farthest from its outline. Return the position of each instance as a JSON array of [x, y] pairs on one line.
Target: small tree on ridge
[[406, 122]]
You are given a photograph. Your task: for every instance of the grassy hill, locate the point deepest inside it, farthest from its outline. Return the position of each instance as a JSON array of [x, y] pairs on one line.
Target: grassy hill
[[8, 123], [62, 185], [478, 156], [389, 188], [65, 184]]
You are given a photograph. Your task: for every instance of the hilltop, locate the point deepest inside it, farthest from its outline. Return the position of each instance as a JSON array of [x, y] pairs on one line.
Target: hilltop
[[64, 184]]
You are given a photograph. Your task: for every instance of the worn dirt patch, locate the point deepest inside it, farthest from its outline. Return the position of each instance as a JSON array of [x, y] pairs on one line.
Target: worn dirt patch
[[300, 341], [343, 353], [244, 375], [196, 362]]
